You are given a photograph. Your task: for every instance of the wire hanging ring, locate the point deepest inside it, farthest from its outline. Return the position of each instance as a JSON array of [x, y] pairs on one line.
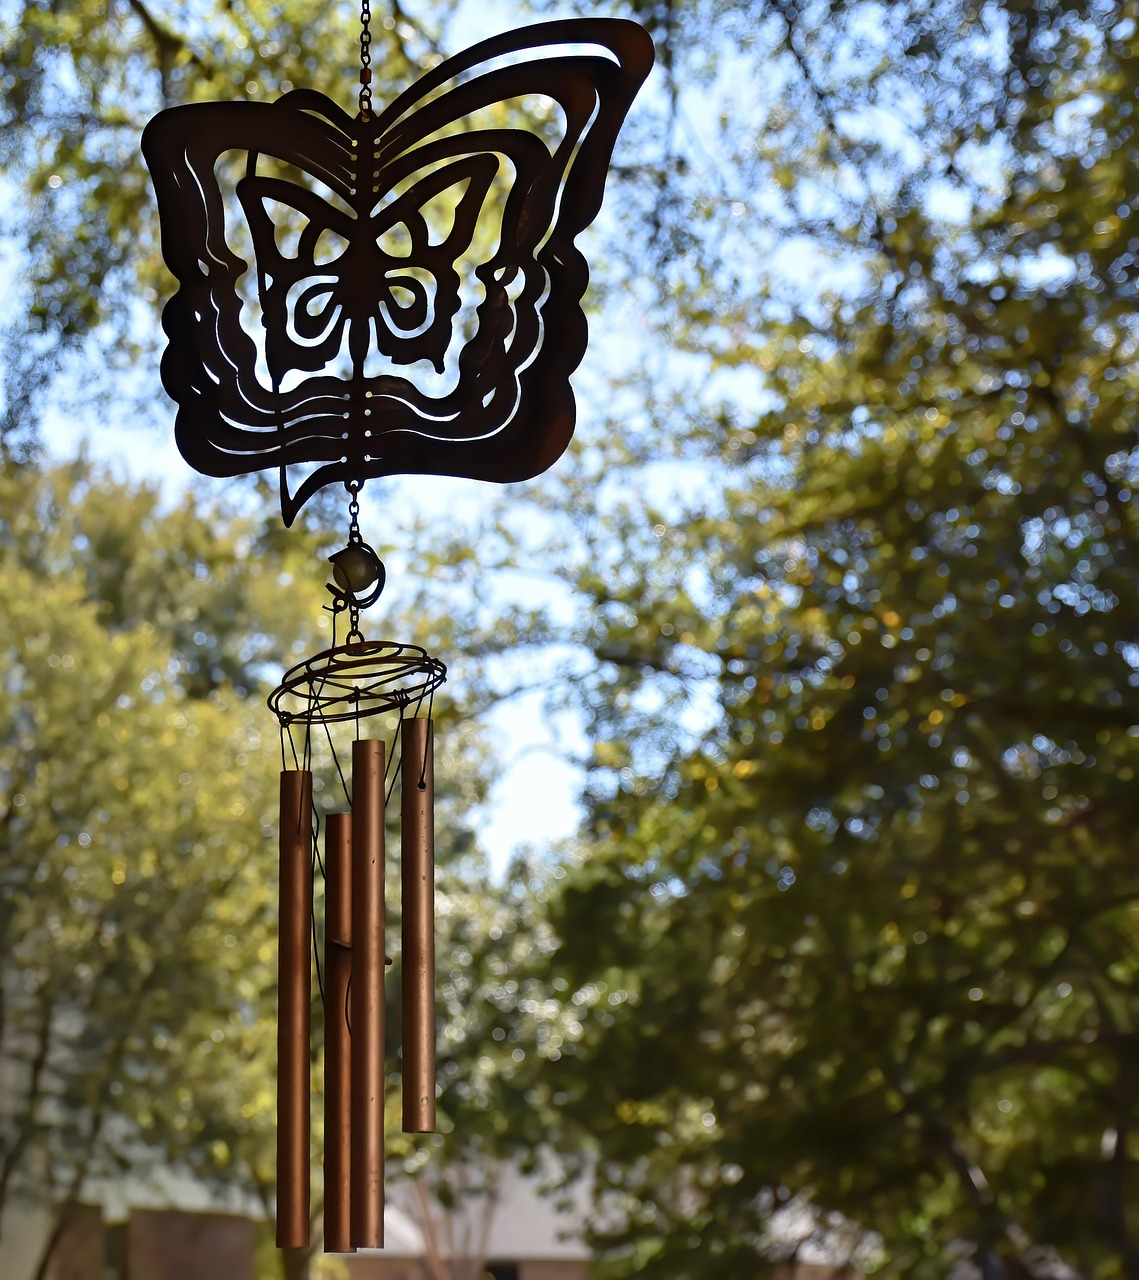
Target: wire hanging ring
[[354, 681]]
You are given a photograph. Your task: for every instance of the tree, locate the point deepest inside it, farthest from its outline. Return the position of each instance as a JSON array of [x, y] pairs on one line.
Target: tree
[[79, 83], [137, 921], [856, 919], [138, 799]]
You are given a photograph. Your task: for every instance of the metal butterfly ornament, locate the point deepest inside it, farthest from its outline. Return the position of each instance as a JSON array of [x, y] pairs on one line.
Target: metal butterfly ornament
[[424, 314], [388, 293]]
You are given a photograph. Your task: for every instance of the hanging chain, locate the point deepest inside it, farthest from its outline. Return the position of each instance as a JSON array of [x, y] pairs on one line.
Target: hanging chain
[[354, 536], [365, 60], [353, 487]]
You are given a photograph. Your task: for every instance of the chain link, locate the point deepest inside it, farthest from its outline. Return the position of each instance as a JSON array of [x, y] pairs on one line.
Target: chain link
[[354, 487], [355, 635], [365, 60], [354, 536]]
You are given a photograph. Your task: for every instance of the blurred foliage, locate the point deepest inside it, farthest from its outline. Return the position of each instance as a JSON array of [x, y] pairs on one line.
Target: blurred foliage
[[136, 780], [78, 81], [137, 850], [184, 620], [857, 923], [848, 956]]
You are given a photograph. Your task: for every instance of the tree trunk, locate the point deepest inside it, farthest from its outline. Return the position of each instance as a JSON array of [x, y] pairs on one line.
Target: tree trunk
[[60, 1223], [26, 1124]]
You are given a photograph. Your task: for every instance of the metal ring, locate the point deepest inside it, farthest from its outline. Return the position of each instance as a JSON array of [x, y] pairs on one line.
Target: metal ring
[[355, 681]]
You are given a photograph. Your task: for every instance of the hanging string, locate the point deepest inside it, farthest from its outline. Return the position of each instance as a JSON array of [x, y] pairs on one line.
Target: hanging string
[[292, 747], [426, 742], [336, 762], [306, 751], [395, 755], [316, 956], [315, 693], [317, 861]]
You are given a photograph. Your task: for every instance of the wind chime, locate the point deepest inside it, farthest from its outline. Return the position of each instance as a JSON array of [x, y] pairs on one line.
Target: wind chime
[[317, 255]]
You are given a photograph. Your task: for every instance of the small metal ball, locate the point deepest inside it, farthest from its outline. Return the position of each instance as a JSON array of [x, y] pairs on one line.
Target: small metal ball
[[355, 568]]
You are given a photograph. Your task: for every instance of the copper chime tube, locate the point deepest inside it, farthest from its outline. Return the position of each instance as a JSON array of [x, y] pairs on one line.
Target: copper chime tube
[[337, 1045], [293, 995], [417, 868], [367, 997]]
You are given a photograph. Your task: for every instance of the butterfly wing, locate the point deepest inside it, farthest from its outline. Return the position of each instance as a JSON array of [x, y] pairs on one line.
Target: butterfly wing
[[511, 412], [302, 291], [422, 268], [459, 265], [234, 414]]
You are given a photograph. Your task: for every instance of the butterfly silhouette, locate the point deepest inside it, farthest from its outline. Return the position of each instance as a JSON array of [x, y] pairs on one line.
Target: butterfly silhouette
[[418, 285]]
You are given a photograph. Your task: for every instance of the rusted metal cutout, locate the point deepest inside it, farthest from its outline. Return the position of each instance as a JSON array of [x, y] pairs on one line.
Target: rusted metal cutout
[[391, 293]]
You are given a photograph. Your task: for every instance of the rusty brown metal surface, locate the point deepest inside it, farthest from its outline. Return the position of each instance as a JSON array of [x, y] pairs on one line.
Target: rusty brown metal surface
[[337, 1045], [332, 372], [293, 996], [417, 874], [366, 1003]]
